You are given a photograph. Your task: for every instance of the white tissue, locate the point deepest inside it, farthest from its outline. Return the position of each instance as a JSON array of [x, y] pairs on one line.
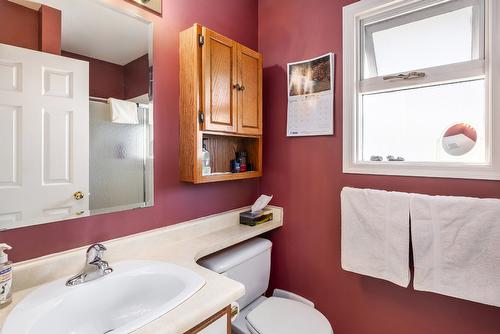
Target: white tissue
[[261, 203]]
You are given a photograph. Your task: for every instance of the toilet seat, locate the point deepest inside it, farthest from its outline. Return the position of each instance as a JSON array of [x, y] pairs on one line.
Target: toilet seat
[[284, 316]]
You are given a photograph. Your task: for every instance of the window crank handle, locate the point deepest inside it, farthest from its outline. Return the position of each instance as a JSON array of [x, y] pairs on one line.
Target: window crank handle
[[405, 76]]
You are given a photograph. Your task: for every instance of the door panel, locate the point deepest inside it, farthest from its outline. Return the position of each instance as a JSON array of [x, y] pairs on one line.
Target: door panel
[[44, 118], [56, 148], [57, 83], [9, 148], [219, 77], [10, 76], [250, 95]]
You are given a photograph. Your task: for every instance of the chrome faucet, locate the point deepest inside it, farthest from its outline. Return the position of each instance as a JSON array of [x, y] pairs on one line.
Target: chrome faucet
[[95, 266]]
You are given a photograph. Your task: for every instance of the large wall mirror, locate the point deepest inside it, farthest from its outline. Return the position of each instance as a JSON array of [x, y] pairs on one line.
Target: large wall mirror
[[76, 111]]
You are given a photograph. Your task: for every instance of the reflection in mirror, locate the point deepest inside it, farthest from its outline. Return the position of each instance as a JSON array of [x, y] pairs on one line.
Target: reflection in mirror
[[151, 5], [75, 111], [459, 139]]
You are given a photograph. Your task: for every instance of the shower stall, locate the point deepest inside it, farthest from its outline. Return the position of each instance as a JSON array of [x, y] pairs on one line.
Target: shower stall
[[120, 159]]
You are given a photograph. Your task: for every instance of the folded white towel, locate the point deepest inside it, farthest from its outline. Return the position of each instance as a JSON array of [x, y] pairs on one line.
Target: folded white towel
[[123, 112], [376, 234], [456, 246]]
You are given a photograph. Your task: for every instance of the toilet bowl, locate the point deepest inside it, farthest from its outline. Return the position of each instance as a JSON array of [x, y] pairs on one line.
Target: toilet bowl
[[250, 263]]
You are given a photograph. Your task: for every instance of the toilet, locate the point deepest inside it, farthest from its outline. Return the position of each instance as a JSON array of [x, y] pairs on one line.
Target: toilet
[[284, 313]]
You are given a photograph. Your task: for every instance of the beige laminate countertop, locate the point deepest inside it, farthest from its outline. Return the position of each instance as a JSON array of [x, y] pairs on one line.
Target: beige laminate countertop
[[182, 244]]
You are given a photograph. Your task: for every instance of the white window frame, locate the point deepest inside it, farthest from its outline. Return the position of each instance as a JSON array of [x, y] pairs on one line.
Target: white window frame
[[487, 67]]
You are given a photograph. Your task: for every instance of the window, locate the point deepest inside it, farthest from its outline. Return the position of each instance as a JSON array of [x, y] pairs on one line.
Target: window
[[419, 83]]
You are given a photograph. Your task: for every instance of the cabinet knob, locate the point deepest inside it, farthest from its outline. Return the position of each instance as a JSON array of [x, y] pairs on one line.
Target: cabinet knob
[[237, 86], [242, 88], [234, 311]]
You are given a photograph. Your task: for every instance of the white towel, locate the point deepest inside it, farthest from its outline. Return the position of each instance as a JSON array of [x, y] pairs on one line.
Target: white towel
[[123, 112], [456, 246], [376, 234]]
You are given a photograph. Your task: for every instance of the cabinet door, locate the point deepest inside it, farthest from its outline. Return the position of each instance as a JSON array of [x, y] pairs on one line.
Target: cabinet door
[[219, 323], [219, 326], [219, 78], [250, 93]]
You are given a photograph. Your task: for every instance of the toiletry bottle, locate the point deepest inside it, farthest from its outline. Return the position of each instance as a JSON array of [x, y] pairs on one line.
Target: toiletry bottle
[[242, 158], [205, 158], [5, 276]]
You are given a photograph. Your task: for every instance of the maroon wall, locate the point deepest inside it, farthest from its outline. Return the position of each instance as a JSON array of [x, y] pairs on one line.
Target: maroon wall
[[49, 39], [105, 79], [111, 80], [305, 175], [18, 25], [27, 28], [136, 77], [174, 201]]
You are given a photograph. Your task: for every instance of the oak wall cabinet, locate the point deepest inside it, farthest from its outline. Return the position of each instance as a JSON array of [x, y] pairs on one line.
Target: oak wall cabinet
[[220, 105]]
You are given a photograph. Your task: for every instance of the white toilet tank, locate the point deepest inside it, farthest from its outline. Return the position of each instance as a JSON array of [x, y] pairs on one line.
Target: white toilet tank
[[248, 263]]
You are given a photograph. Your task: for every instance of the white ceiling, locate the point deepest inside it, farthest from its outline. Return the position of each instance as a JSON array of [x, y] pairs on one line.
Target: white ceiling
[[93, 29], [28, 4]]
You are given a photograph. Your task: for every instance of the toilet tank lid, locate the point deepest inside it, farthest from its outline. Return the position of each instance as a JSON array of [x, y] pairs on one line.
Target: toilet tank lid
[[225, 259]]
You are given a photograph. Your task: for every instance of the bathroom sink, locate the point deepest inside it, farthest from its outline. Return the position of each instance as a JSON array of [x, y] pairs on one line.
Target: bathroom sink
[[134, 294]]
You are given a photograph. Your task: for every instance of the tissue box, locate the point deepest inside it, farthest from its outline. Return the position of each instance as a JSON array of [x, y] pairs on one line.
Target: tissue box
[[252, 219]]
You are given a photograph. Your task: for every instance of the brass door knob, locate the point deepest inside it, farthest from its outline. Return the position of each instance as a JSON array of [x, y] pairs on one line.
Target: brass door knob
[[78, 195]]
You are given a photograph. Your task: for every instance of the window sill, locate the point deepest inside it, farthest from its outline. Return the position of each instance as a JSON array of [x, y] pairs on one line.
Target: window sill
[[441, 170]]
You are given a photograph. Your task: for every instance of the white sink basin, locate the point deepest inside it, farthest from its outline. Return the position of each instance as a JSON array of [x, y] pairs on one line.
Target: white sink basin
[[134, 294]]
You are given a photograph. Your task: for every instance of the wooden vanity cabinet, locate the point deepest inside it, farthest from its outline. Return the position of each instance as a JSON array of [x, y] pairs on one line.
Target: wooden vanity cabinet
[[219, 323], [220, 96]]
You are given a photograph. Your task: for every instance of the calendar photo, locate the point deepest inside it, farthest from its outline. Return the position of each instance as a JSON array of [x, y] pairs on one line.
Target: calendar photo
[[310, 97]]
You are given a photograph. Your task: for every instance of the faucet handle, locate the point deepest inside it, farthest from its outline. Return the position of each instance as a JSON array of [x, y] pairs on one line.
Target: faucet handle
[[95, 252]]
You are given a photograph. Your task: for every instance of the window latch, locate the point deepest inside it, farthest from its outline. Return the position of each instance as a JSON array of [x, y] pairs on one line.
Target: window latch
[[405, 76]]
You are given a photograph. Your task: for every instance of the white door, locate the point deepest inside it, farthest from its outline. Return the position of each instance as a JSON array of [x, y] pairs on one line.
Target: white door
[[44, 137]]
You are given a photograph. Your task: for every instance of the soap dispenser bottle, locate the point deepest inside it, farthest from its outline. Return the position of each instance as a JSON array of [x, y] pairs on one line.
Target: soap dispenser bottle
[[5, 276]]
